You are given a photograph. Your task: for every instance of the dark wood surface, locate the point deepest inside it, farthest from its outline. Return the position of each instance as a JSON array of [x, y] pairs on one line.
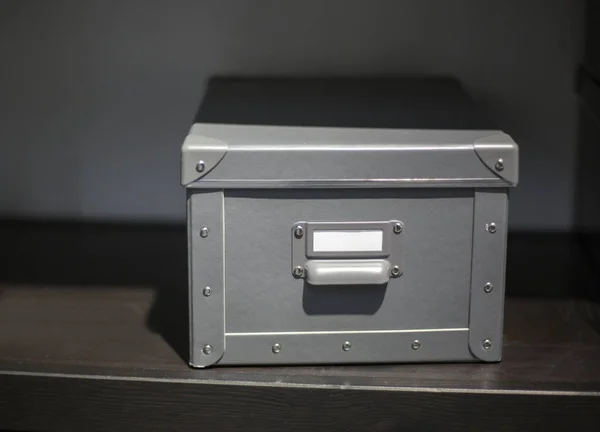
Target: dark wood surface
[[93, 336]]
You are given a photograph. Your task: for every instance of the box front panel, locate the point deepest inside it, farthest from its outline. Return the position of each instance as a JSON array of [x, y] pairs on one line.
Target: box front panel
[[432, 293]]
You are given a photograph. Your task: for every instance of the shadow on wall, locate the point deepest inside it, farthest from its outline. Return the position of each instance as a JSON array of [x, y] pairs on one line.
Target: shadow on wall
[[101, 94], [387, 101], [587, 188]]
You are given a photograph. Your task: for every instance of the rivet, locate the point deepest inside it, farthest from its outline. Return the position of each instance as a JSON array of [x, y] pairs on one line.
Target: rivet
[[395, 271], [298, 271], [488, 287], [490, 227], [298, 231], [207, 349], [346, 346], [207, 292], [415, 345], [200, 166], [499, 165], [398, 227], [486, 344], [276, 348], [204, 232]]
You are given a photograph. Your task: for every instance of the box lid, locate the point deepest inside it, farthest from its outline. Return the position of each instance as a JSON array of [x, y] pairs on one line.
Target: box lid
[[279, 156], [260, 133]]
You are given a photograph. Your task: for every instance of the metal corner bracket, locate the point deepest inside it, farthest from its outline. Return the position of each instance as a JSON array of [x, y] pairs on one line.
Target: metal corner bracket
[[199, 156], [206, 247], [500, 155], [486, 311]]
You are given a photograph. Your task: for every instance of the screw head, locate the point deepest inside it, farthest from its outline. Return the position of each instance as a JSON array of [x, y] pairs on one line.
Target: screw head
[[415, 345], [204, 232], [200, 167], [491, 227], [346, 346], [398, 228], [207, 292], [298, 231], [298, 271], [207, 349], [276, 348], [488, 287], [395, 271], [499, 165], [486, 344]]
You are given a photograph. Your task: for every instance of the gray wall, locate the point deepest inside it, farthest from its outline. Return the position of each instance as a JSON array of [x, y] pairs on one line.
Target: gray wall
[[97, 96]]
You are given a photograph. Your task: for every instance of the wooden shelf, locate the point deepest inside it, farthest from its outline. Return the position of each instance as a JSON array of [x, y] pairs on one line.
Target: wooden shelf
[[93, 336]]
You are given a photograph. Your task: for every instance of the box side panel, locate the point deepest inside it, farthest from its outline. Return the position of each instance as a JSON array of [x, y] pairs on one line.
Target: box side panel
[[432, 293]]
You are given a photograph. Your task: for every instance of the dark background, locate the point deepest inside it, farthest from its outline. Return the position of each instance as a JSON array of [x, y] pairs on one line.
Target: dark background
[[96, 97]]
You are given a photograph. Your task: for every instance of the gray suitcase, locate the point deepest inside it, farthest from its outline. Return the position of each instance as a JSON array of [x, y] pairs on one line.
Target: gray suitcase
[[324, 232]]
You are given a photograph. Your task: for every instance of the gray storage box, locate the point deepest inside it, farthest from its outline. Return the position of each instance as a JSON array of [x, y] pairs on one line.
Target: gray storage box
[[360, 244]]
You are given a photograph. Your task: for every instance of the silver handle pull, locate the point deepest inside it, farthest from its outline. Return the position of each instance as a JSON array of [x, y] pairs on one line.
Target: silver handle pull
[[347, 272]]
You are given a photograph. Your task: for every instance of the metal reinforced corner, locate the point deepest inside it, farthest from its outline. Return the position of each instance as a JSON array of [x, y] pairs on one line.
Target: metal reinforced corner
[[486, 310], [199, 156], [207, 283], [500, 155]]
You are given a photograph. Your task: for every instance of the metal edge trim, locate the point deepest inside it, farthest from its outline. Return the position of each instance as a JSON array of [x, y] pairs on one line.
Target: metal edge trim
[[351, 332], [473, 220], [350, 183], [224, 305], [191, 358], [349, 348]]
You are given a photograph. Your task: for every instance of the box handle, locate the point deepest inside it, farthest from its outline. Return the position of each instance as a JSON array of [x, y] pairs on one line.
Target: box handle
[[347, 272]]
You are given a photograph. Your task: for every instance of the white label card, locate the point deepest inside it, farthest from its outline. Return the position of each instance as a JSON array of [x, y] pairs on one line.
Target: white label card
[[348, 241]]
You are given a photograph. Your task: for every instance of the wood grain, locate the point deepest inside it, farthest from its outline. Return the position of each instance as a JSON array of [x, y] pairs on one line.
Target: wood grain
[[101, 345], [67, 404], [105, 330]]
